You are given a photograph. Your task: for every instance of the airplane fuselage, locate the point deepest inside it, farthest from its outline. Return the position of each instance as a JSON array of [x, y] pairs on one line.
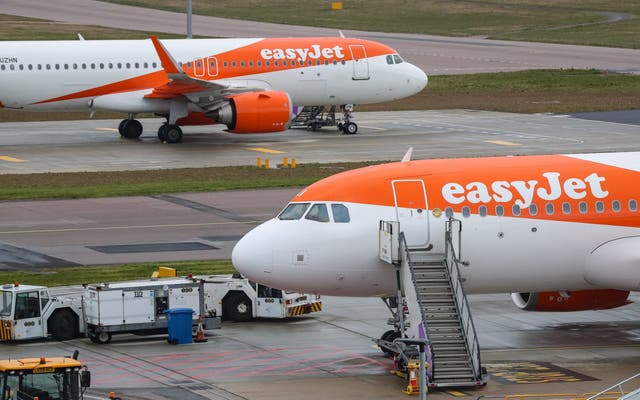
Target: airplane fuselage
[[529, 224]]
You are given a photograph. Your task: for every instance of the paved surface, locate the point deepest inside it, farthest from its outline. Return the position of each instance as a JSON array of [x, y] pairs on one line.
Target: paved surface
[[96, 146], [205, 226], [436, 55], [330, 355]]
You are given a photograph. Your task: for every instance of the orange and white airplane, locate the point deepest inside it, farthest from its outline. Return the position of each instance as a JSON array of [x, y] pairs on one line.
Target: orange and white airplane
[[250, 85], [560, 232]]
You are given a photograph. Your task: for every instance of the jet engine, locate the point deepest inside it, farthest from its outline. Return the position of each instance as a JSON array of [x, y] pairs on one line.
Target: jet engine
[[576, 300], [255, 112]]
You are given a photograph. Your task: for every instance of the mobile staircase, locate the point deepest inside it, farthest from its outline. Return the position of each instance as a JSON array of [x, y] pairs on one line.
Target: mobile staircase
[[314, 118], [438, 311]]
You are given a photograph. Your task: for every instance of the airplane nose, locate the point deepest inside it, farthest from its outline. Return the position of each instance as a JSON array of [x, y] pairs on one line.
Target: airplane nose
[[419, 78], [252, 256]]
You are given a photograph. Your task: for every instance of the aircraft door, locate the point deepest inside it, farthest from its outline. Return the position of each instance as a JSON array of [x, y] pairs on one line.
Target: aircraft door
[[360, 62], [412, 213]]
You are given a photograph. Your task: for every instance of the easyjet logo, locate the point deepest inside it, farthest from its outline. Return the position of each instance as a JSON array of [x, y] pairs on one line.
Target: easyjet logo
[[552, 187], [314, 52]]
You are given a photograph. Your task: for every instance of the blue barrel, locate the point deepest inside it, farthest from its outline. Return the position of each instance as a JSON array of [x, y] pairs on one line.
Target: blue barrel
[[179, 323]]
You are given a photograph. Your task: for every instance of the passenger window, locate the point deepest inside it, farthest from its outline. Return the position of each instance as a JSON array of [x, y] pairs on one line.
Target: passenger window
[[267, 63], [242, 63], [27, 305], [84, 66], [110, 65], [397, 58], [633, 205], [48, 66], [482, 210], [30, 67], [251, 63], [499, 210], [75, 66], [189, 64], [154, 65], [533, 210], [259, 63], [57, 66], [615, 206], [390, 59], [22, 67], [340, 213], [448, 212], [343, 62], [128, 65], [515, 209], [93, 66], [144, 65], [66, 66], [599, 206], [549, 209], [566, 208], [309, 63], [101, 65], [284, 63], [583, 207], [137, 65], [293, 211], [466, 212], [318, 212], [119, 65]]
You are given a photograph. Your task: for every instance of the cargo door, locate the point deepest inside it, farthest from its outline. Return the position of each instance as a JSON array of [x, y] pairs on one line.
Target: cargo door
[[410, 198], [360, 62]]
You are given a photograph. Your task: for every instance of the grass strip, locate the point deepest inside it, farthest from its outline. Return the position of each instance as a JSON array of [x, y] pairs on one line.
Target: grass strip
[[63, 276]]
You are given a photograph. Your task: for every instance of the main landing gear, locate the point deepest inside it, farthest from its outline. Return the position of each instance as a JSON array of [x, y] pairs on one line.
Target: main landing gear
[[170, 133], [130, 128]]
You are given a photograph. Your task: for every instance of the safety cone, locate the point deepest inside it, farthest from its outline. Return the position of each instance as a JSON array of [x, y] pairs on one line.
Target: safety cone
[[412, 387], [200, 332]]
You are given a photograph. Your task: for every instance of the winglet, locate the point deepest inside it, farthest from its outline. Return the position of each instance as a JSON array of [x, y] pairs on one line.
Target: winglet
[[407, 155], [341, 34], [168, 63]]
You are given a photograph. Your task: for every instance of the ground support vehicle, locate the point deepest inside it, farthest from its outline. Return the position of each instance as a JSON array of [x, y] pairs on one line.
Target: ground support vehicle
[[140, 306], [238, 299], [59, 378], [28, 312]]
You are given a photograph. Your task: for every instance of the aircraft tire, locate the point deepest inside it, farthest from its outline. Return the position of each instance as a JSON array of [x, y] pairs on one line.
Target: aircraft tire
[[162, 133], [173, 134], [350, 128], [131, 129]]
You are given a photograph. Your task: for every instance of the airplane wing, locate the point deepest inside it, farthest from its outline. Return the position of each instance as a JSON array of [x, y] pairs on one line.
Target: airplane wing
[[204, 93]]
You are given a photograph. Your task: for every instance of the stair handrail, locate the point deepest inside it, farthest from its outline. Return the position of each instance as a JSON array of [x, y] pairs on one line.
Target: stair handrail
[[462, 304], [407, 257], [617, 385]]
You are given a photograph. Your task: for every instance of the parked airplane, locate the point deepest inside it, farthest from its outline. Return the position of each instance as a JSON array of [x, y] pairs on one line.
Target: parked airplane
[[561, 232], [249, 85]]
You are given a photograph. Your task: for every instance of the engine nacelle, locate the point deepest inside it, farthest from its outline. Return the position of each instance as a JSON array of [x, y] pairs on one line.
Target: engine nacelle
[[576, 300], [255, 112]]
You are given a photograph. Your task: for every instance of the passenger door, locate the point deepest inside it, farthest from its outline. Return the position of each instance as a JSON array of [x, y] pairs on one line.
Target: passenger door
[[28, 321], [410, 198], [360, 62]]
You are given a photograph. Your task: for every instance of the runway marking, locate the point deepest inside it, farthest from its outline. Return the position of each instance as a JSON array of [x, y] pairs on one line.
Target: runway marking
[[503, 142], [456, 393], [107, 129], [108, 228], [264, 150], [12, 159]]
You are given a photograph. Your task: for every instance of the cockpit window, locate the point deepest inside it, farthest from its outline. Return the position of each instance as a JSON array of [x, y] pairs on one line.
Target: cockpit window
[[318, 212], [397, 58], [389, 59], [340, 213], [293, 211]]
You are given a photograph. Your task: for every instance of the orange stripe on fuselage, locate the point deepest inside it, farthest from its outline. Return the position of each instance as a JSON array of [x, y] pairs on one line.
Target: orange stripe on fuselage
[[486, 181], [246, 59]]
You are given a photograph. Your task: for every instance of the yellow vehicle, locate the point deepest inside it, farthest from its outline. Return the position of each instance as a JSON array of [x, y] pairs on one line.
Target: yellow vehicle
[[57, 378]]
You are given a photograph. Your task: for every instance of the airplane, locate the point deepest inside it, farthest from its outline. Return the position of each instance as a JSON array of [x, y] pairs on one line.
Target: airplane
[[250, 85], [559, 232]]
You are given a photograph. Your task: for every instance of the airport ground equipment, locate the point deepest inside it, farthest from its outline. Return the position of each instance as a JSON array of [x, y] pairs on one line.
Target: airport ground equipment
[[29, 312], [315, 117], [431, 305], [140, 307], [238, 299], [56, 378]]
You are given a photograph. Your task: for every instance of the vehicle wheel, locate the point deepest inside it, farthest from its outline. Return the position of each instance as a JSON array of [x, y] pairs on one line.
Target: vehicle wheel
[[102, 337], [389, 336], [350, 128], [131, 129], [162, 133], [340, 126], [63, 325], [173, 133], [238, 308], [315, 126]]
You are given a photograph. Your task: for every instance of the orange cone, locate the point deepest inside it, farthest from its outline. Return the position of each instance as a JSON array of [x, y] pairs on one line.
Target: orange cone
[[412, 387], [200, 332]]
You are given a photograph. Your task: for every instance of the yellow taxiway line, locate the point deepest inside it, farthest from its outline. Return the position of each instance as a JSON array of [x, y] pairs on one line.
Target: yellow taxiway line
[[11, 159], [269, 151], [503, 142]]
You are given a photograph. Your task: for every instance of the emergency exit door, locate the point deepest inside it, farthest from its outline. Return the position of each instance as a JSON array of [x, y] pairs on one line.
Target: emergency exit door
[[410, 197]]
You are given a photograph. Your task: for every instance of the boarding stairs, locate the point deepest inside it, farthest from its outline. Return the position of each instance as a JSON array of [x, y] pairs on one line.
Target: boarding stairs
[[439, 311], [314, 118]]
